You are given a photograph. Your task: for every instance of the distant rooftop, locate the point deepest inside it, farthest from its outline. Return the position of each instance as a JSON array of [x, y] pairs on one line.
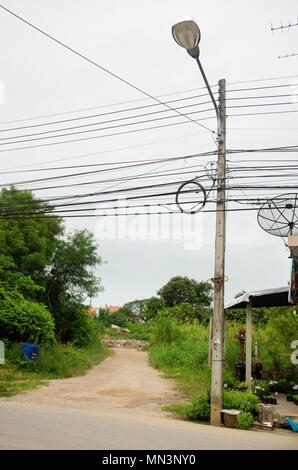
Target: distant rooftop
[[112, 308]]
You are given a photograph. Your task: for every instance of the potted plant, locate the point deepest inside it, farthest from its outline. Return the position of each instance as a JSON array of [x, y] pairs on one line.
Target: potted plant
[[295, 397], [290, 398], [242, 386]]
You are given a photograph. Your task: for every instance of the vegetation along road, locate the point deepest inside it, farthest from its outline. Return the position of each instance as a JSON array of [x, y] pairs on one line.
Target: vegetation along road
[[116, 405]]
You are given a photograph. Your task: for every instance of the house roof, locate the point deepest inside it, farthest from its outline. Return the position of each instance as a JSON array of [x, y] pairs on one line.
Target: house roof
[[277, 297], [92, 310], [112, 308]]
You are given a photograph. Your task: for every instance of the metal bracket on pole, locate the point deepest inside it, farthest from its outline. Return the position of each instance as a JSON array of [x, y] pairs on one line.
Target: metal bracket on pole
[[218, 281]]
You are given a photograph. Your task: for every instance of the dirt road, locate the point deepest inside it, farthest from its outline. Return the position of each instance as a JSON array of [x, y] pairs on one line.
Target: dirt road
[[116, 405], [123, 382]]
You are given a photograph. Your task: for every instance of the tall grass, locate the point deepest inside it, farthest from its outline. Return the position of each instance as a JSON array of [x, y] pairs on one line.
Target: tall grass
[[177, 345], [60, 361]]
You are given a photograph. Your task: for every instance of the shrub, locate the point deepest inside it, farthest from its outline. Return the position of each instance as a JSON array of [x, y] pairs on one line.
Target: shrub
[[229, 380], [199, 409], [87, 332], [243, 401], [23, 320], [244, 420], [139, 331]]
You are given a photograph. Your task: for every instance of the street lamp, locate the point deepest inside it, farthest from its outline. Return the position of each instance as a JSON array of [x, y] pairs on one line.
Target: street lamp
[[187, 34]]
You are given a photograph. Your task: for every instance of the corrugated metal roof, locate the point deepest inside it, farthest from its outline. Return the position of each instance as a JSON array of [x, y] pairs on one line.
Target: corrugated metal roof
[[277, 297]]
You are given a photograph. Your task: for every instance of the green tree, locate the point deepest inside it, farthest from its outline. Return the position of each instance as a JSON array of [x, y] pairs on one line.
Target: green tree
[[182, 289], [70, 279], [134, 310], [23, 320], [43, 264], [26, 241], [152, 306]]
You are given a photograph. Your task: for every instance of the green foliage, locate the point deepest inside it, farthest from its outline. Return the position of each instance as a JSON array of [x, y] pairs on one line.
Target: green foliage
[[134, 310], [23, 320], [166, 330], [59, 361], [199, 409], [28, 242], [41, 264], [184, 312], [73, 325], [244, 420], [189, 355], [280, 331], [229, 380], [184, 290], [107, 319], [140, 331], [152, 306], [243, 401], [178, 345]]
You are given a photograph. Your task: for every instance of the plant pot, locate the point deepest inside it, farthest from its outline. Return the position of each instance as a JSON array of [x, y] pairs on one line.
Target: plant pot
[[290, 398], [230, 417]]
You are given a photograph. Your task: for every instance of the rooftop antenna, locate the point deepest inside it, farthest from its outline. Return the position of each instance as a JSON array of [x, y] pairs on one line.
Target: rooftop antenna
[[282, 27], [287, 55]]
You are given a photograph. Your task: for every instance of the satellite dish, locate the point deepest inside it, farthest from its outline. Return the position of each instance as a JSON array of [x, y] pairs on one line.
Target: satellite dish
[[279, 215]]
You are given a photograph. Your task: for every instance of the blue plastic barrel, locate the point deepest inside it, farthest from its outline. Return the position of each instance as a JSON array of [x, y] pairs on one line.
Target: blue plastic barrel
[[30, 351]]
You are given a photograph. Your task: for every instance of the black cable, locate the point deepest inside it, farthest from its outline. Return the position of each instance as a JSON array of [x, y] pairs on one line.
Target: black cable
[[94, 63], [54, 131], [94, 130], [269, 112], [262, 87], [111, 113], [22, 217], [101, 136], [135, 116]]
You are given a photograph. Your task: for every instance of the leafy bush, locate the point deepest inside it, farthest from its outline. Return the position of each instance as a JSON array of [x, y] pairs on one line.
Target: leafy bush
[[243, 401], [260, 388], [199, 409], [87, 332], [25, 321], [280, 331], [244, 420], [229, 380], [139, 331]]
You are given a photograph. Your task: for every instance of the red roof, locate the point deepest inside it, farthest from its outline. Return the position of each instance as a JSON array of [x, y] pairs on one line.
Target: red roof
[[112, 309], [91, 311]]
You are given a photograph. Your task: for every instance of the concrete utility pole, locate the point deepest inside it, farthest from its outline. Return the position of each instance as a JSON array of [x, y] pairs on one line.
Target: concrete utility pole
[[187, 34], [248, 343], [219, 269]]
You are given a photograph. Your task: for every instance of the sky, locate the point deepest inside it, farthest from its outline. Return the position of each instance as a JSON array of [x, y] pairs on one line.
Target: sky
[[132, 40]]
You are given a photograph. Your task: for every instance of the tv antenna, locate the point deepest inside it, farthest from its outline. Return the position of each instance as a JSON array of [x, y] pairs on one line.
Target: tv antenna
[[287, 55], [282, 27]]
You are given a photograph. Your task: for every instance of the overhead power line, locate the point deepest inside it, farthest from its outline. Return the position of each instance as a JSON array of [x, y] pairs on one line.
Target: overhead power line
[[92, 62]]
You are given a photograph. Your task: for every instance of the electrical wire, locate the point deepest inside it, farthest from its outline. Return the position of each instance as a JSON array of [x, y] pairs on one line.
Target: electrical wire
[[92, 62]]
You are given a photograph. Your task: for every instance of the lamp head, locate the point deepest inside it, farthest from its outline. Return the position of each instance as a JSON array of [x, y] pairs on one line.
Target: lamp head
[[187, 34]]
